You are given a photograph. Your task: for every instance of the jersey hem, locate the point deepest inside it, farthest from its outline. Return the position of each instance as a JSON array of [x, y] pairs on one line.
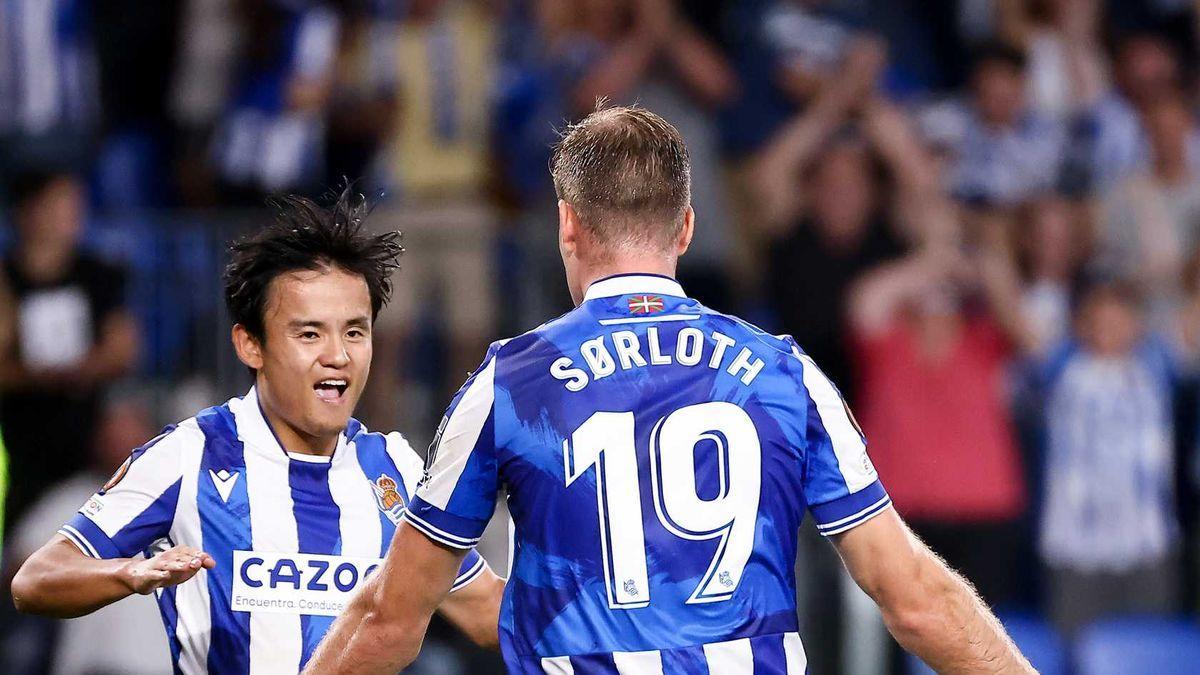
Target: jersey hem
[[436, 534], [858, 519], [78, 541], [837, 512], [537, 663], [472, 574], [89, 538]]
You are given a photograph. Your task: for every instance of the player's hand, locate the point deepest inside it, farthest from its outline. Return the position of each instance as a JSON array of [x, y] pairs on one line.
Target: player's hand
[[169, 568]]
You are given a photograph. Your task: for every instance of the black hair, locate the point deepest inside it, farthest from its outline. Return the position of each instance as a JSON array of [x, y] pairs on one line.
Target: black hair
[[1104, 278], [28, 185], [306, 236], [998, 52]]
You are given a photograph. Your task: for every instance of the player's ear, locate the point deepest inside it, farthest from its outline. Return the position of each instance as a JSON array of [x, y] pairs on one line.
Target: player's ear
[[248, 348], [568, 228], [685, 233]]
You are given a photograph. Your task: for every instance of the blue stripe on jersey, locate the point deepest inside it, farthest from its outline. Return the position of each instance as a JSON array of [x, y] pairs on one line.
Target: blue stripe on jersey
[[88, 535], [170, 617], [595, 664], [690, 660], [353, 427], [154, 521], [769, 655], [225, 527], [317, 531], [374, 461]]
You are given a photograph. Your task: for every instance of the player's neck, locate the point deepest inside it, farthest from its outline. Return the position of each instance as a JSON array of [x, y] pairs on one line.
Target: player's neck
[[292, 439], [656, 264]]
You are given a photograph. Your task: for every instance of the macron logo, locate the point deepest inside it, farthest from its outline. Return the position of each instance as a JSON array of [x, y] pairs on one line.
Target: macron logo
[[224, 482]]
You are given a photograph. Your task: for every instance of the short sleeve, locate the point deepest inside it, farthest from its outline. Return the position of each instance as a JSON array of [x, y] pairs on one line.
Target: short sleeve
[[136, 507], [840, 483], [472, 566], [457, 496], [411, 469]]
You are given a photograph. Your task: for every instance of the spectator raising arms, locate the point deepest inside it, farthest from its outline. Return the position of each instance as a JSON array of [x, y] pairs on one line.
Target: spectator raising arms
[[934, 333], [646, 51], [1008, 151]]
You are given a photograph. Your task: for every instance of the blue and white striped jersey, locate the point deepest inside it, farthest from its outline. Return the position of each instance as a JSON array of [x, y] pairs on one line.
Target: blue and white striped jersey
[[658, 459], [1109, 500], [293, 535]]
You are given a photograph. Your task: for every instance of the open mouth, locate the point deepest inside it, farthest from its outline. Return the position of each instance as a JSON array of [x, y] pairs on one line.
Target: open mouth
[[331, 390]]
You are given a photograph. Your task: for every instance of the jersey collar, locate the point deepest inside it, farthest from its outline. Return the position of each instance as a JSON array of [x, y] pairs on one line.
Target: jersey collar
[[626, 284]]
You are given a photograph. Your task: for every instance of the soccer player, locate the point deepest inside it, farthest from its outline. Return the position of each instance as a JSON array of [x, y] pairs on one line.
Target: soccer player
[[658, 458], [279, 504]]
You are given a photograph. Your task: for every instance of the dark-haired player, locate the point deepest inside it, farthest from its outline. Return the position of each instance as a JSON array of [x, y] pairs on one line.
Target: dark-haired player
[[278, 503], [658, 458]]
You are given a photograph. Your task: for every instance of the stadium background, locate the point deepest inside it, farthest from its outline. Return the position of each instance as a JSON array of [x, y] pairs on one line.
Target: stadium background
[[982, 217]]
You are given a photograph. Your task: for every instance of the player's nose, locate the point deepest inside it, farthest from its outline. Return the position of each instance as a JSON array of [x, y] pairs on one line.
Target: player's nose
[[335, 354]]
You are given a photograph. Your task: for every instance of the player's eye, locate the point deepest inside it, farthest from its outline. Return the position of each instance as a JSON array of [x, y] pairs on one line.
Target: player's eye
[[309, 335], [356, 333]]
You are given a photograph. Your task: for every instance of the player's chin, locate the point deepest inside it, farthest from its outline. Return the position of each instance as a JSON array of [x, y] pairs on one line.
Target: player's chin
[[326, 423], [332, 415]]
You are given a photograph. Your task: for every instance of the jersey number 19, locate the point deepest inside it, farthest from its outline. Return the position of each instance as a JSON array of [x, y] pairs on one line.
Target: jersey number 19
[[606, 441]]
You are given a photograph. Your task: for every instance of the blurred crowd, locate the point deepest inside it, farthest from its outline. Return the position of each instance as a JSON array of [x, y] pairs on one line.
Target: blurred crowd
[[981, 217]]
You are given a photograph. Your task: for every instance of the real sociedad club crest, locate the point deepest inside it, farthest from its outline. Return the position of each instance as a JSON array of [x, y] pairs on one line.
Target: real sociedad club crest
[[387, 498]]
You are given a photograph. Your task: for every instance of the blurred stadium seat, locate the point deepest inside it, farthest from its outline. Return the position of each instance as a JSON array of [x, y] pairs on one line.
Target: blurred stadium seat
[[1038, 640], [1130, 645]]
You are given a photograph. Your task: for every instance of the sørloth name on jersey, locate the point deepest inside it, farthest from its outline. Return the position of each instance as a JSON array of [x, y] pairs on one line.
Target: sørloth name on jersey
[[604, 354]]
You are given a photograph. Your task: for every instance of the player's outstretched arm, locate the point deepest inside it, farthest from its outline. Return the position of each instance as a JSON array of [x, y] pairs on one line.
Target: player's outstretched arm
[[930, 610], [382, 628], [58, 580], [475, 609]]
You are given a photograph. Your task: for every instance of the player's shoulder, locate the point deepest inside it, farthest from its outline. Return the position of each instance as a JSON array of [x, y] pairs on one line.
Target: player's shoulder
[[191, 435], [182, 437], [391, 443], [784, 345], [164, 455]]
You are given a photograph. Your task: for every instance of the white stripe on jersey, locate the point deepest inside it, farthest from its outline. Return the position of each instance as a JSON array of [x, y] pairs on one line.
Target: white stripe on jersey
[[734, 657], [650, 319], [360, 536], [276, 643], [841, 525], [460, 436], [793, 651], [407, 461], [848, 446], [80, 541], [729, 658], [558, 665], [152, 473], [194, 626], [638, 663]]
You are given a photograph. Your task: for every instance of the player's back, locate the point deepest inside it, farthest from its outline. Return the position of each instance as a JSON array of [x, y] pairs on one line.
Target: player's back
[[659, 458]]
